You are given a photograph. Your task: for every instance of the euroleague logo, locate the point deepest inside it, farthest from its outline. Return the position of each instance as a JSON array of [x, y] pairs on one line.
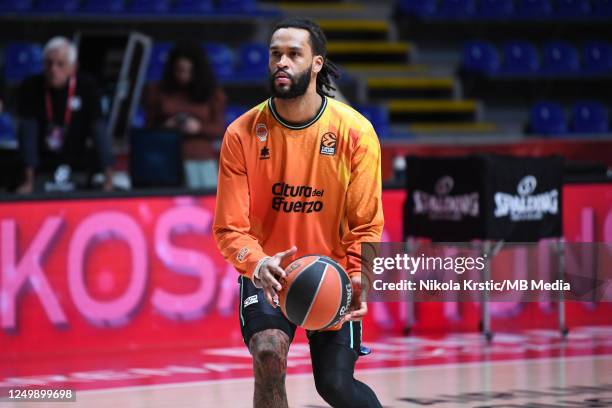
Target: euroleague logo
[[328, 144]]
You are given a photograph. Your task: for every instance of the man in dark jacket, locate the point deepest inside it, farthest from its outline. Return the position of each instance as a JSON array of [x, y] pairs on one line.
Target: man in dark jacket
[[59, 119]]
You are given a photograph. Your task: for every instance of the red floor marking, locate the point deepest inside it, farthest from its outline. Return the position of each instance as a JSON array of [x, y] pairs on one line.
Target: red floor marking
[[148, 367]]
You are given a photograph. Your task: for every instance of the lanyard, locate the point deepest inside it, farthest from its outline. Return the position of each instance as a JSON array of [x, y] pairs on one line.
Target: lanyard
[[68, 111]]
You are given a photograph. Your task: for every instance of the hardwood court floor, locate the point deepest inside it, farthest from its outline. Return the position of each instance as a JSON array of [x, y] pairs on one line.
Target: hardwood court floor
[[533, 370]]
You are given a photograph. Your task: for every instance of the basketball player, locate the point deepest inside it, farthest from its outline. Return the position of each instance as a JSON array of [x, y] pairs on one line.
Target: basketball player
[[299, 174]]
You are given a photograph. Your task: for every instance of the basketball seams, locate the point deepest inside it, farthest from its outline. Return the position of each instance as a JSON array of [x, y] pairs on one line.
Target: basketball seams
[[297, 274], [314, 297], [340, 298], [290, 306], [310, 306], [344, 280]]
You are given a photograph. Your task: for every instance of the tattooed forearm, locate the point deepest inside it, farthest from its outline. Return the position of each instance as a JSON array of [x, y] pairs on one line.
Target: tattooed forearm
[[269, 349]]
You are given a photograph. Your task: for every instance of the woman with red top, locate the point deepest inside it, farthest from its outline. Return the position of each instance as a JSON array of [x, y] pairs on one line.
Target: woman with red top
[[189, 99]]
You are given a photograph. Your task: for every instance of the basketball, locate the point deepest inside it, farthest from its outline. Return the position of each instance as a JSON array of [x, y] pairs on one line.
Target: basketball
[[316, 293]]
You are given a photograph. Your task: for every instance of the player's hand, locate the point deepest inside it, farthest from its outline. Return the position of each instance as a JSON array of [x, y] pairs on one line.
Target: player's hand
[[359, 306], [270, 273]]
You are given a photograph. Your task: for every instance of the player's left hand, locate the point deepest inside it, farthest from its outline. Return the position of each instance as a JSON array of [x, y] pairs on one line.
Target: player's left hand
[[359, 306]]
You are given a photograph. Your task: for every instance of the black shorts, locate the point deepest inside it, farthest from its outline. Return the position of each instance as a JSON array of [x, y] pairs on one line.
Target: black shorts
[[256, 314]]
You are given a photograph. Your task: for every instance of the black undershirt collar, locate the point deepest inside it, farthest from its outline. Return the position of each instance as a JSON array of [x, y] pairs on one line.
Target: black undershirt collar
[[298, 126]]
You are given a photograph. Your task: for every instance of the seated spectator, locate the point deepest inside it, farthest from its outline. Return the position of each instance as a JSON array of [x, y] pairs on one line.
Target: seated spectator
[[189, 99], [59, 116]]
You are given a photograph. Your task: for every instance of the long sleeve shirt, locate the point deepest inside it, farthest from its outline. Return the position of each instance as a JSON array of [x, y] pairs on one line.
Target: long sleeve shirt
[[316, 185]]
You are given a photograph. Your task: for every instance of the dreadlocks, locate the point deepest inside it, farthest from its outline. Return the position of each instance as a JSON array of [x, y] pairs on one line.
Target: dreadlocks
[[318, 42]]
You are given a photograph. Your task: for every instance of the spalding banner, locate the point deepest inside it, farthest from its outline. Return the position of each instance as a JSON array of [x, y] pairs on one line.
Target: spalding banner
[[523, 197], [445, 198], [516, 199]]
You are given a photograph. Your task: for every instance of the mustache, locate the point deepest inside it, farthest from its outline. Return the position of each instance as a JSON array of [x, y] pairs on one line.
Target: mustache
[[283, 71]]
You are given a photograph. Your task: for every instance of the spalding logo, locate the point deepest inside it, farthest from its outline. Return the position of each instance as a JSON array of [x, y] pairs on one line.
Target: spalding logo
[[444, 185], [293, 267], [527, 185], [346, 306]]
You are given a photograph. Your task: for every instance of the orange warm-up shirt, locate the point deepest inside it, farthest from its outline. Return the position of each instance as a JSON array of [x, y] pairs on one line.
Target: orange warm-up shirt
[[316, 186]]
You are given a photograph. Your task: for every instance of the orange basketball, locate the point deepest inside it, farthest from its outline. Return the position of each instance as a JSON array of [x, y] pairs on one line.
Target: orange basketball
[[316, 293]]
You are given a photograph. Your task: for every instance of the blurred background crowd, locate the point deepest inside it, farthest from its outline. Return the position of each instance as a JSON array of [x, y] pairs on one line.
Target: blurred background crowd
[[131, 94]]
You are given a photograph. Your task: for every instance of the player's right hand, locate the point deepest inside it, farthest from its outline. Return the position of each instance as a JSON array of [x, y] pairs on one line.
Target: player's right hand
[[270, 273]]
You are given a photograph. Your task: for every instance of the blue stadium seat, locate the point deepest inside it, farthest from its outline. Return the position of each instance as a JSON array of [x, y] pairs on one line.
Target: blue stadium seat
[[221, 58], [15, 6], [597, 57], [103, 6], [520, 57], [237, 6], [589, 117], [253, 59], [193, 6], [57, 6], [139, 118], [149, 6], [22, 60], [560, 58], [422, 8], [496, 8], [534, 9], [602, 8], [157, 62], [480, 56], [378, 117], [457, 9], [572, 9], [232, 112], [7, 127], [547, 118]]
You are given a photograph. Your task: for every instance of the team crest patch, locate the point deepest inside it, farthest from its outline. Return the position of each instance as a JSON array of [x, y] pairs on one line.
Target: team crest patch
[[242, 254], [250, 300], [261, 131], [328, 144]]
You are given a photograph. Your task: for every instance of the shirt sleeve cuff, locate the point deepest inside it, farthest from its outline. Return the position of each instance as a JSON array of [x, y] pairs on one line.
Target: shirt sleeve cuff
[[258, 266]]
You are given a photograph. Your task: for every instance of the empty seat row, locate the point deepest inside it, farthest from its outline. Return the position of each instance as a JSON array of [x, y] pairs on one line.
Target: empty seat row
[[249, 61], [504, 9], [127, 6], [22, 60], [587, 117], [522, 58]]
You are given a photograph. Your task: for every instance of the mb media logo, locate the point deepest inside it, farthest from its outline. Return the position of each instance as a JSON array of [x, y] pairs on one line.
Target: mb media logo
[[328, 144], [525, 206]]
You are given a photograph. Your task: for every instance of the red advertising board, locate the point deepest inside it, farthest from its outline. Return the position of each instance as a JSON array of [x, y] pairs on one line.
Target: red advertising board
[[117, 274]]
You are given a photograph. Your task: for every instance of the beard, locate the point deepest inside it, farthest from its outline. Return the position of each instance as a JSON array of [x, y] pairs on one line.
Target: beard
[[297, 87]]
